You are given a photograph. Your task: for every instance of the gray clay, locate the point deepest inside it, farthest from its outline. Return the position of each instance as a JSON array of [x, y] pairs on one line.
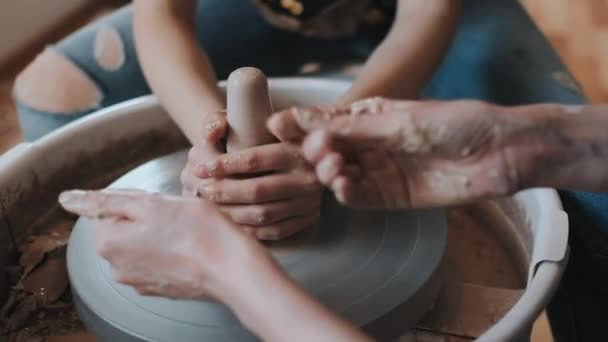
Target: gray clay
[[248, 109]]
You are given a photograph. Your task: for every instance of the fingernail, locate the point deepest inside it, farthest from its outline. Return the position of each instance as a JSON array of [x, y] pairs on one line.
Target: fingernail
[[328, 168], [315, 144], [305, 118], [75, 202], [71, 198], [208, 169], [206, 192], [211, 126]]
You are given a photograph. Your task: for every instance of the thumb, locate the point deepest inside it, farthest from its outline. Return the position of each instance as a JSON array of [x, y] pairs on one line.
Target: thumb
[[215, 127]]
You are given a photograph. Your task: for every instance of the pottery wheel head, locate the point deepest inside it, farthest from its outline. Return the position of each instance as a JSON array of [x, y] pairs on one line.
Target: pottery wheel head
[[369, 267]]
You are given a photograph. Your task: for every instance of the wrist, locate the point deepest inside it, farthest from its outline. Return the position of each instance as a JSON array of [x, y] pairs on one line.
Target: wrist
[[236, 264], [560, 147], [246, 287]]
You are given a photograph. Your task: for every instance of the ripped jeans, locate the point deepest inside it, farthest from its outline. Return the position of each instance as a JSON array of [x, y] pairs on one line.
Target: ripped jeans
[[498, 56], [97, 66]]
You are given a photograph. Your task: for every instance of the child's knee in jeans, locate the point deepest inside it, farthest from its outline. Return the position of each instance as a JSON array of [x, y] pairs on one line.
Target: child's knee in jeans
[[54, 84]]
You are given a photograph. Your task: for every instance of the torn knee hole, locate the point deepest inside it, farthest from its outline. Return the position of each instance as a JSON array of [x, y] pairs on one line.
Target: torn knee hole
[[566, 80], [54, 84], [109, 49]]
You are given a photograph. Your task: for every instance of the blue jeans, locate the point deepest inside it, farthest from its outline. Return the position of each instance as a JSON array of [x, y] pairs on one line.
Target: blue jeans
[[233, 36], [498, 56]]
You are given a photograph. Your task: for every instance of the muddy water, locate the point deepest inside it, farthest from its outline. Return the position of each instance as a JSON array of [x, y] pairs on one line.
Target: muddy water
[[479, 253]]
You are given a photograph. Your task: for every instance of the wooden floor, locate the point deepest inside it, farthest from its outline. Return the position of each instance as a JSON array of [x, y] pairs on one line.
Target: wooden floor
[[578, 29]]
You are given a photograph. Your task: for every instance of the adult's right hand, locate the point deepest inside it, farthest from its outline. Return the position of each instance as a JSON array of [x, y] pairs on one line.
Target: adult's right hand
[[380, 153], [162, 245]]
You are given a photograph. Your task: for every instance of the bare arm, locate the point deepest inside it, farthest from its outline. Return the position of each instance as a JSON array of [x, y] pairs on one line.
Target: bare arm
[[444, 153], [407, 58], [567, 149], [176, 68], [202, 254], [277, 309]]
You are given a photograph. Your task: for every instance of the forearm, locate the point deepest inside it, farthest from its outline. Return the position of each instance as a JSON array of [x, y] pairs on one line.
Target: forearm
[[176, 68], [408, 57], [272, 306], [566, 149]]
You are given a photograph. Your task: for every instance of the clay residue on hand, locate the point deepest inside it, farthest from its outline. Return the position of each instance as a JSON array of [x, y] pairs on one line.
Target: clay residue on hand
[[368, 106], [457, 183], [309, 119], [412, 137], [573, 109]]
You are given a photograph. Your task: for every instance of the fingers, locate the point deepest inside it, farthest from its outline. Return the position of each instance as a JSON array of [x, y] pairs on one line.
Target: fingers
[[266, 158], [368, 124], [284, 229], [258, 215], [329, 167], [215, 127], [110, 236], [102, 204], [196, 155], [260, 190], [356, 193], [293, 124]]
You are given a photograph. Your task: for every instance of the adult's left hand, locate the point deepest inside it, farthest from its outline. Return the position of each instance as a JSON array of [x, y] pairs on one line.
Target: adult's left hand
[[283, 197]]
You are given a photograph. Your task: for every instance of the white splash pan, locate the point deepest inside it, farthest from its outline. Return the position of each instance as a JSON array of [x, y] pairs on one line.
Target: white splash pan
[[134, 127]]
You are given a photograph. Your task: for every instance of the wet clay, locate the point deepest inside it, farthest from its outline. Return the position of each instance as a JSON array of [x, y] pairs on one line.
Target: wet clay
[[248, 107], [39, 307]]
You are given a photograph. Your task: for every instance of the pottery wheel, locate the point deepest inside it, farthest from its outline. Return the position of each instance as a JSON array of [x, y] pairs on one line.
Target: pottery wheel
[[376, 269]]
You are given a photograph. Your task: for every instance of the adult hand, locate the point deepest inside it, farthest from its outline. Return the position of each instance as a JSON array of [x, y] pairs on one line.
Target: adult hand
[[381, 153], [282, 198], [175, 247], [185, 248]]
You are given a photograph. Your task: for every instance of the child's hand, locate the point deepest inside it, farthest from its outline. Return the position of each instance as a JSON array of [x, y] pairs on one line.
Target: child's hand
[[165, 245], [210, 146], [282, 201]]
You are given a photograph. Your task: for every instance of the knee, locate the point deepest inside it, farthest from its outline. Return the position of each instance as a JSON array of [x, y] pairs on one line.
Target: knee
[[54, 84]]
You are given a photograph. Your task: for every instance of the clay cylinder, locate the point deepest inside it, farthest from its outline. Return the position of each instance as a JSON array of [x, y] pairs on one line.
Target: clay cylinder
[[248, 108]]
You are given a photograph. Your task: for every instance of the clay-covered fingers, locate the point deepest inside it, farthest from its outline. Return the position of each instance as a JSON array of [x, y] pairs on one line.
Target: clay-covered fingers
[[294, 123], [261, 159], [259, 215], [215, 127], [263, 189], [103, 204], [200, 153]]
